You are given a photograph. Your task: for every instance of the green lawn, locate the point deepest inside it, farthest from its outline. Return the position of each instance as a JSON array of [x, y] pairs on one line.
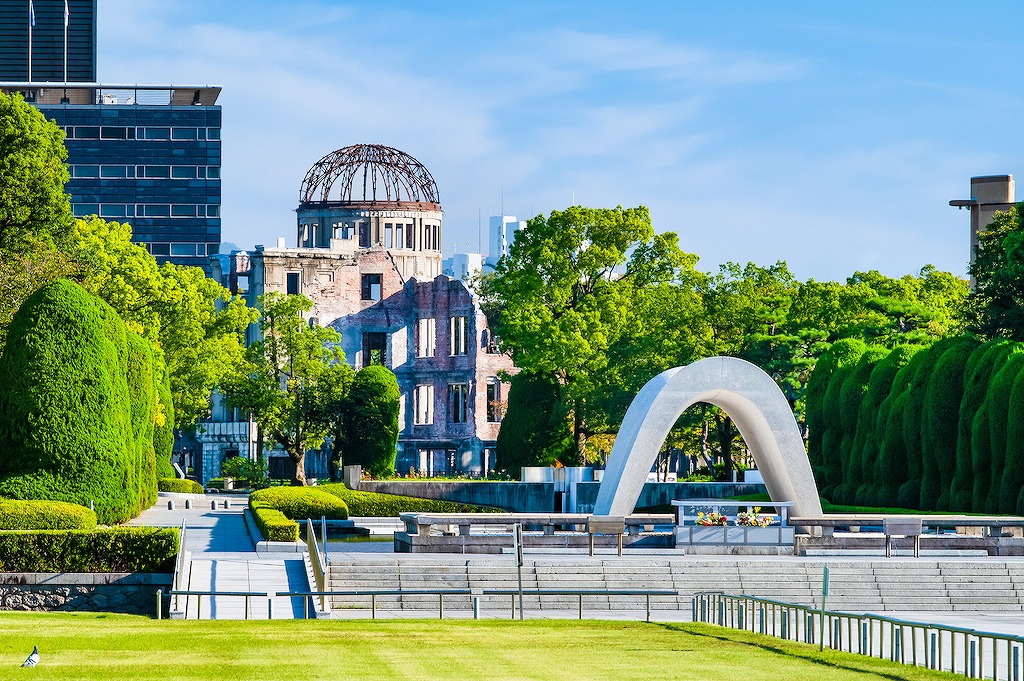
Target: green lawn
[[122, 647]]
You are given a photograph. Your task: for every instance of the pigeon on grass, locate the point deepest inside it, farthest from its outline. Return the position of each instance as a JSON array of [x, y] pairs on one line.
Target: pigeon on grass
[[33, 659]]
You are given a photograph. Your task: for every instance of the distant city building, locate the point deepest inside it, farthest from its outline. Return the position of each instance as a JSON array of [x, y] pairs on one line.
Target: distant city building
[[464, 266], [502, 231], [149, 155], [369, 257]]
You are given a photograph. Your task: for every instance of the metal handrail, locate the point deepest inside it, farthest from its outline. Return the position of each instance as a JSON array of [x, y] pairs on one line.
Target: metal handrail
[[316, 560], [440, 593], [868, 634], [179, 563]]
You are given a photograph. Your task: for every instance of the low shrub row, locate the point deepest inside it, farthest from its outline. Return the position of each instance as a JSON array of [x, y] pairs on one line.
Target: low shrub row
[[106, 549], [179, 485], [299, 503], [373, 504], [44, 515], [273, 524]]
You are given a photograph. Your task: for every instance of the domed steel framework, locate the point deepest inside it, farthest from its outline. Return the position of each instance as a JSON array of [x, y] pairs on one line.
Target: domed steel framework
[[368, 173]]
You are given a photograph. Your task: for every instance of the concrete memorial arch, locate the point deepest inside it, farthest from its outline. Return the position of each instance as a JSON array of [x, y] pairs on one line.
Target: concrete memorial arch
[[753, 401]]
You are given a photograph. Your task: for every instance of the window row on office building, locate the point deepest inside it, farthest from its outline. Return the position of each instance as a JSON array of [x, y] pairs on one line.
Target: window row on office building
[[147, 133], [152, 210], [157, 172]]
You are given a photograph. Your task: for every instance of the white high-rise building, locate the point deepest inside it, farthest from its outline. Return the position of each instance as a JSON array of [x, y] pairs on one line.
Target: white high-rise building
[[502, 231]]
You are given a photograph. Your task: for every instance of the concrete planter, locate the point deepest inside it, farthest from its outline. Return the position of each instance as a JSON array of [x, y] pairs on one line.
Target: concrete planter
[[734, 536]]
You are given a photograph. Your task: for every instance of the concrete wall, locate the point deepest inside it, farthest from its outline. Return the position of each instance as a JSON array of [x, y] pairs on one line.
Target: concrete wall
[[91, 592], [519, 497], [539, 497], [662, 493]]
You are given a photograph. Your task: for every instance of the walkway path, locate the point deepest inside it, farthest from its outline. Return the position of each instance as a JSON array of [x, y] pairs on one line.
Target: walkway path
[[224, 559]]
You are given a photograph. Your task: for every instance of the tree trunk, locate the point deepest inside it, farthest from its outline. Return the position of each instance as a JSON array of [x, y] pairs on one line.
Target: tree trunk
[[298, 455], [725, 444], [579, 434]]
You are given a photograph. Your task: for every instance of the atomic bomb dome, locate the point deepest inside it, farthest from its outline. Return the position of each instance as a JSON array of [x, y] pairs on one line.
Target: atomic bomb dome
[[371, 196]]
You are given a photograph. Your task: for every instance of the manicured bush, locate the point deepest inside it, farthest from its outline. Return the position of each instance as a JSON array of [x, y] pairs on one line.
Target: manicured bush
[[299, 503], [163, 428], [851, 396], [846, 353], [1013, 466], [65, 413], [144, 410], [274, 525], [371, 425], [980, 369], [891, 467], [817, 416], [534, 431], [873, 416], [997, 402], [940, 422], [16, 514], [373, 504], [179, 485], [106, 549], [913, 421]]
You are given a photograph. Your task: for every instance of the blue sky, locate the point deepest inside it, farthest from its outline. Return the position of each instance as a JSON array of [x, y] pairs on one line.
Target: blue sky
[[829, 135]]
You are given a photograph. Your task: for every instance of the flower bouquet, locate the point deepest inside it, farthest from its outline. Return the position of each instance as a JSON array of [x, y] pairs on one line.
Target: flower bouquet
[[752, 519], [712, 519]]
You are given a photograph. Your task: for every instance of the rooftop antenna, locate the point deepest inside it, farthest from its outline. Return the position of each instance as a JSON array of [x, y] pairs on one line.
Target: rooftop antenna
[[479, 230], [502, 204]]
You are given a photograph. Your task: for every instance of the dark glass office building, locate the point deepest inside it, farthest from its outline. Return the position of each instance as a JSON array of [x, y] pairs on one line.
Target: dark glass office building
[[145, 155], [16, 18]]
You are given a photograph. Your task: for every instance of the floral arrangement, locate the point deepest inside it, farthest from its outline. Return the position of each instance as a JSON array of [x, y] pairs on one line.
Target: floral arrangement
[[752, 519], [711, 519]]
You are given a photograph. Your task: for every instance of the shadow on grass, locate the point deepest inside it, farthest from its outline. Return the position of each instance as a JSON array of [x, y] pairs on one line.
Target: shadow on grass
[[829, 658]]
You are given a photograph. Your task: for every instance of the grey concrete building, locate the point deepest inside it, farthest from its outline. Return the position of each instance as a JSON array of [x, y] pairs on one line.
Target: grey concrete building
[[989, 193]]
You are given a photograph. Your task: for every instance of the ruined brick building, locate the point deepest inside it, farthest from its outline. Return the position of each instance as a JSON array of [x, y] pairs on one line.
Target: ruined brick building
[[368, 255]]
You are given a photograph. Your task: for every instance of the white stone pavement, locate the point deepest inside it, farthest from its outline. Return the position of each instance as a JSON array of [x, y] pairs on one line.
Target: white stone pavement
[[224, 559]]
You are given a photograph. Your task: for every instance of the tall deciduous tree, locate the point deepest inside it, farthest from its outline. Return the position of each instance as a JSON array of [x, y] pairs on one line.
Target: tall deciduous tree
[[995, 308], [287, 377], [566, 293], [192, 318], [33, 205]]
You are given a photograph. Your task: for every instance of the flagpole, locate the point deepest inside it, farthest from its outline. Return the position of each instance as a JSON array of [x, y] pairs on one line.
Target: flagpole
[[31, 20], [66, 18]]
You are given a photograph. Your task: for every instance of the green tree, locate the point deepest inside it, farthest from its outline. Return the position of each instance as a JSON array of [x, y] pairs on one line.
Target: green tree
[[534, 430], [33, 205], [995, 308], [565, 295], [190, 317], [286, 378], [371, 422]]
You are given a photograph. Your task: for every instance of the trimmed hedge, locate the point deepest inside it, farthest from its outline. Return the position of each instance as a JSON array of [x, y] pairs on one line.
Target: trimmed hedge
[[274, 525], [935, 429], [300, 503], [77, 405], [179, 485], [375, 505], [16, 514], [940, 424], [107, 549], [371, 424]]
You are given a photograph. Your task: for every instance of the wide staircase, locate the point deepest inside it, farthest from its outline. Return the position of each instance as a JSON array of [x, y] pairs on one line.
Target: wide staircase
[[855, 585]]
